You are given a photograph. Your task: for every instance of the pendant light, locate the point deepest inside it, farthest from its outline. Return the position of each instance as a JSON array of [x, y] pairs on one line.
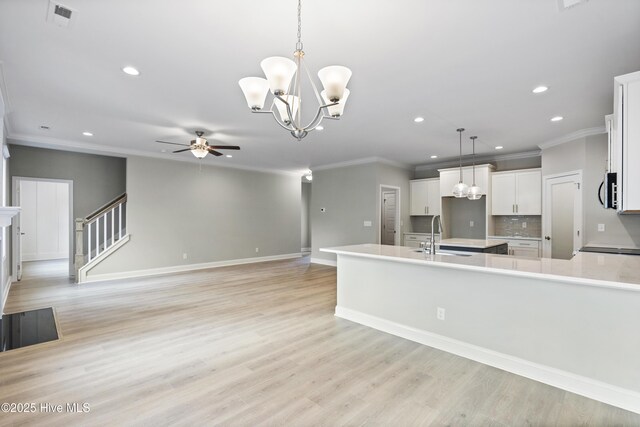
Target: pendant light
[[475, 193], [461, 189]]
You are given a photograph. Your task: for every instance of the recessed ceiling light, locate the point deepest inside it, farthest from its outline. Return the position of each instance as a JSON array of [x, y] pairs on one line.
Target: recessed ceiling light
[[229, 155], [499, 147], [540, 89], [419, 119], [434, 157], [319, 127], [556, 118], [132, 71], [87, 133], [163, 151]]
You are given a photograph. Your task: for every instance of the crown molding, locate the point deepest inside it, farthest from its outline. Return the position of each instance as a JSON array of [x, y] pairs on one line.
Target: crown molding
[[363, 161], [106, 150], [467, 160], [573, 136]]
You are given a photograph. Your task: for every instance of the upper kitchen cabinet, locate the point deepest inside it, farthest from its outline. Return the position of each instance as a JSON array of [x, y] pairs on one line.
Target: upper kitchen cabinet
[[450, 177], [517, 192], [626, 139], [425, 197]]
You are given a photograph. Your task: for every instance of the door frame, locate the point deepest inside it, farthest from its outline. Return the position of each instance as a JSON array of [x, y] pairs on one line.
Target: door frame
[[384, 187], [15, 182], [578, 213]]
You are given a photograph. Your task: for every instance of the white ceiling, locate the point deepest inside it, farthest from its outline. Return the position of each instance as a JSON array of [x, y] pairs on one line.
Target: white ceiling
[[457, 63]]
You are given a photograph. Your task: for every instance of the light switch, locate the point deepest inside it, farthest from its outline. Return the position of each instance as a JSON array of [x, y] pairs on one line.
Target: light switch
[[600, 227], [367, 223], [471, 223], [524, 224]]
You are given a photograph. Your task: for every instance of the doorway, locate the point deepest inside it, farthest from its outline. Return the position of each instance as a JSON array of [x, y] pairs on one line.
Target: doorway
[[389, 215], [562, 215], [43, 230]]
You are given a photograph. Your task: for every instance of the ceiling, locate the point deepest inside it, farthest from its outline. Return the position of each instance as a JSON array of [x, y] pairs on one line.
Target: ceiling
[[463, 63]]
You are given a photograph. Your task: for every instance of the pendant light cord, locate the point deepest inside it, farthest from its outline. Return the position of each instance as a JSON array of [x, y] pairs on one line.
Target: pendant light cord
[[460, 130], [473, 139], [299, 44]]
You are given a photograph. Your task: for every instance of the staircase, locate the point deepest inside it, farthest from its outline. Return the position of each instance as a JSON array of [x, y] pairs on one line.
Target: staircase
[[99, 235]]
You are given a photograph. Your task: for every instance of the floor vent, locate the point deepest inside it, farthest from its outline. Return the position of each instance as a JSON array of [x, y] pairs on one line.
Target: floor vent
[[60, 15]]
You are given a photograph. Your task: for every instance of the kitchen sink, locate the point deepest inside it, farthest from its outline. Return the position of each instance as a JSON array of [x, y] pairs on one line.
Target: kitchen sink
[[444, 252]]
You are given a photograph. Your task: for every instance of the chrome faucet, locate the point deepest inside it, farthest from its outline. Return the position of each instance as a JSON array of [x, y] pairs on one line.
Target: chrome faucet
[[432, 248]]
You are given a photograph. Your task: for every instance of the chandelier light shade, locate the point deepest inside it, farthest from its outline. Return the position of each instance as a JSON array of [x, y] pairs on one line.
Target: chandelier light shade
[[284, 81], [336, 110], [461, 189], [475, 192], [255, 90]]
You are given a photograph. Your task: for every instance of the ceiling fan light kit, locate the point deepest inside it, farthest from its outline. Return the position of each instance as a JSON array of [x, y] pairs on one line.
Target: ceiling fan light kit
[[200, 147], [284, 81]]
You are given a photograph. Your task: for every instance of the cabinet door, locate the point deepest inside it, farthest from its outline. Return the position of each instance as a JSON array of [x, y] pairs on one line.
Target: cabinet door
[[433, 197], [447, 180], [529, 193], [418, 197], [503, 194], [524, 252]]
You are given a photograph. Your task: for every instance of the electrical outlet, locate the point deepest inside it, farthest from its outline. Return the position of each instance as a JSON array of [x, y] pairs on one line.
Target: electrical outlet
[[184, 256], [471, 223], [600, 227], [524, 224], [440, 312], [367, 223], [257, 250]]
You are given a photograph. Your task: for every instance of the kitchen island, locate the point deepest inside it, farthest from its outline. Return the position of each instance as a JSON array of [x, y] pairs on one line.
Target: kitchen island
[[572, 324]]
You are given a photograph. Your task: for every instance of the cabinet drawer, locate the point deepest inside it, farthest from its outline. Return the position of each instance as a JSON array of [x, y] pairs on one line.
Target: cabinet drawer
[[524, 244]]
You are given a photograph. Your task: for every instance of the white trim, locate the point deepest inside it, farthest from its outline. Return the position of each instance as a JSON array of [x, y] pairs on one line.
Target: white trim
[[397, 238], [7, 286], [467, 160], [187, 267], [584, 386], [573, 136], [322, 261], [105, 150], [362, 161], [305, 249], [84, 270]]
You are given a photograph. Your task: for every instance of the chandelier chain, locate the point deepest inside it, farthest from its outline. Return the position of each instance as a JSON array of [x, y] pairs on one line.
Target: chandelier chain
[[299, 44]]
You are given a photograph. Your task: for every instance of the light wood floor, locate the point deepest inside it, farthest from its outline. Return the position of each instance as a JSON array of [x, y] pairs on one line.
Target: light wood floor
[[255, 345]]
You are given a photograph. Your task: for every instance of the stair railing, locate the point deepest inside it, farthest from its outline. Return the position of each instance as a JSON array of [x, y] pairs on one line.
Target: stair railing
[[100, 231]]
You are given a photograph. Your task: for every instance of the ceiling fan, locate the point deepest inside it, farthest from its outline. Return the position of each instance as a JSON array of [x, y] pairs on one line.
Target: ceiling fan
[[200, 147]]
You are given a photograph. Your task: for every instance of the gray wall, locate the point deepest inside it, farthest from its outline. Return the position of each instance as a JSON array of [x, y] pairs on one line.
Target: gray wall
[[457, 215], [351, 195], [208, 212], [305, 228], [589, 155], [96, 179]]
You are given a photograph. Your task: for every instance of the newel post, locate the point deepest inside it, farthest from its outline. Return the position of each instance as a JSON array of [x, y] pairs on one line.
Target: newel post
[[79, 258]]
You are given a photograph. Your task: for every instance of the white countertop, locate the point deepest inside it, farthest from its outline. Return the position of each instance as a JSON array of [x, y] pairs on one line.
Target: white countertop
[[602, 270], [515, 238], [472, 243]]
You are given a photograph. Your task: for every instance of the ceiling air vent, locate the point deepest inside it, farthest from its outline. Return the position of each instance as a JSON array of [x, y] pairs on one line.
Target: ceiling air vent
[[567, 4], [60, 15]]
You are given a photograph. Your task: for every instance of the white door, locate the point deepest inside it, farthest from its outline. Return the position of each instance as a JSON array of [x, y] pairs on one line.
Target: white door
[[529, 193], [418, 197], [433, 197], [17, 236], [388, 222], [503, 194], [562, 219]]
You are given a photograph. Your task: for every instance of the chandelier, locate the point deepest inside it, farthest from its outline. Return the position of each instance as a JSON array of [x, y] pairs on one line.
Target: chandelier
[[284, 80]]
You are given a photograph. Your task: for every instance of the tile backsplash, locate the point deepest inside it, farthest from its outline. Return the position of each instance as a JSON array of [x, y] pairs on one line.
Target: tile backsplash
[[513, 226]]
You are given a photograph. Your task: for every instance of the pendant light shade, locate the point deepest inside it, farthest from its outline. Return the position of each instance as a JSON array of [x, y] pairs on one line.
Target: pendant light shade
[[334, 80], [279, 72], [475, 192], [336, 110], [460, 190], [255, 91]]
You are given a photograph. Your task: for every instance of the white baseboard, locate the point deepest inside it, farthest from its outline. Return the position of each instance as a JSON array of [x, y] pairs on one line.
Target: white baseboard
[[84, 270], [593, 389], [324, 261], [45, 256], [187, 267], [306, 249]]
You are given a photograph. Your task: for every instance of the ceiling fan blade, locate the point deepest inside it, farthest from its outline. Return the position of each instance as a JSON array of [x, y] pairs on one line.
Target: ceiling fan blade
[[184, 149], [172, 143], [225, 147], [214, 152]]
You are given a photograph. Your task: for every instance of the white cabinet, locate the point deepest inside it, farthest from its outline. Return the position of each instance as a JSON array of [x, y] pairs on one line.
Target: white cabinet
[[413, 240], [524, 248], [626, 111], [425, 197], [450, 177], [517, 192]]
